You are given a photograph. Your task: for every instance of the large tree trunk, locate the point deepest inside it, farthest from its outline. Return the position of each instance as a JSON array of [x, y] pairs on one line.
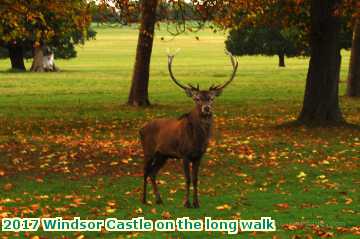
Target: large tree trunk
[[321, 103], [37, 64], [353, 83], [139, 88], [281, 60], [16, 54]]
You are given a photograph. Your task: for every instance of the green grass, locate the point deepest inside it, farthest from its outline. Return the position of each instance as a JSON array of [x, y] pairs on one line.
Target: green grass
[[68, 144]]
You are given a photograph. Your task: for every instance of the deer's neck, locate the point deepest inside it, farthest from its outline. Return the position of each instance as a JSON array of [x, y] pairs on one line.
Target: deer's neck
[[195, 134], [200, 120], [200, 124]]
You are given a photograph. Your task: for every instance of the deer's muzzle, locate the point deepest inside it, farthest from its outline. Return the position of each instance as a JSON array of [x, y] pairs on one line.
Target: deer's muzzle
[[206, 110]]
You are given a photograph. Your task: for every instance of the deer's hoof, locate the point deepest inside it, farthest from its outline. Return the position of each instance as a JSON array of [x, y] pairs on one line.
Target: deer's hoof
[[159, 201], [196, 204], [187, 204]]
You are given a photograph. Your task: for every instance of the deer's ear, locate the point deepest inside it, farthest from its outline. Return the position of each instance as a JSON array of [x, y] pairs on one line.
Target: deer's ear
[[216, 92], [189, 92]]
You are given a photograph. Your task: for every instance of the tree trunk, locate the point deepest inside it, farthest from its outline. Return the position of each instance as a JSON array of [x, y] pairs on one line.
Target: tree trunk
[[281, 60], [16, 54], [37, 64], [139, 88], [321, 103], [353, 83]]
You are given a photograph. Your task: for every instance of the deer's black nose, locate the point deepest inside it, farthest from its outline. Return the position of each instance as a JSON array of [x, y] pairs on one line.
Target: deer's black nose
[[206, 109]]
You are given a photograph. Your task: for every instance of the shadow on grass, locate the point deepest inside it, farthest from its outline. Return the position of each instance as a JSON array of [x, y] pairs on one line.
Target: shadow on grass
[[325, 125], [61, 70]]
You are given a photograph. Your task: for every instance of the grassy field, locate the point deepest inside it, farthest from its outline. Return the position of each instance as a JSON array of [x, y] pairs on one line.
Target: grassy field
[[69, 146]]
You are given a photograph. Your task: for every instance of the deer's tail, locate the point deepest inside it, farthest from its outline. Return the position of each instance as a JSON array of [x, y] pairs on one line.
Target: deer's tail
[[141, 134]]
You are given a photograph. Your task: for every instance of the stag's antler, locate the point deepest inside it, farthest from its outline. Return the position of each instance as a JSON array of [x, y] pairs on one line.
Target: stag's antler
[[235, 65], [170, 60]]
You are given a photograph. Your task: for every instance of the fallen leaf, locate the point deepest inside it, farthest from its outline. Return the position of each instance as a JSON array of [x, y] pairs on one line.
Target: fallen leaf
[[110, 210], [293, 227], [301, 175], [327, 235], [348, 201], [166, 215], [8, 187], [111, 203], [282, 205], [223, 207]]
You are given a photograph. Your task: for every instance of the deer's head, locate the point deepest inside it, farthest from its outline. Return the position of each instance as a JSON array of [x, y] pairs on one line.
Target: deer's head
[[204, 98]]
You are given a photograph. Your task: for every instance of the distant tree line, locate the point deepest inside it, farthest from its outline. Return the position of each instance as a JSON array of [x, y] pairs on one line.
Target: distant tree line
[[166, 12]]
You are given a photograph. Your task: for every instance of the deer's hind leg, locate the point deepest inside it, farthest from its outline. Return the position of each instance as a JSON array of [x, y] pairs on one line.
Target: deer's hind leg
[[147, 169], [157, 162], [186, 166], [195, 172]]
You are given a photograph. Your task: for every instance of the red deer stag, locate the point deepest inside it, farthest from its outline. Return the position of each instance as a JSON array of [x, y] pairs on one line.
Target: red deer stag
[[184, 138]]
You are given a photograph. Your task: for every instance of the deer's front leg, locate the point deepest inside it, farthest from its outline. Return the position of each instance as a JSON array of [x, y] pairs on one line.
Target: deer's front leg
[[195, 172], [186, 165]]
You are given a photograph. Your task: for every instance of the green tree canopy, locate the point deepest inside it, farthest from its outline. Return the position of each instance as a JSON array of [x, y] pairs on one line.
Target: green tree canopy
[[26, 25], [264, 41]]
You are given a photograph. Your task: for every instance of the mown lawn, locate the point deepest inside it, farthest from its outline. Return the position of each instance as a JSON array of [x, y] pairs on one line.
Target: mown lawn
[[69, 146]]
